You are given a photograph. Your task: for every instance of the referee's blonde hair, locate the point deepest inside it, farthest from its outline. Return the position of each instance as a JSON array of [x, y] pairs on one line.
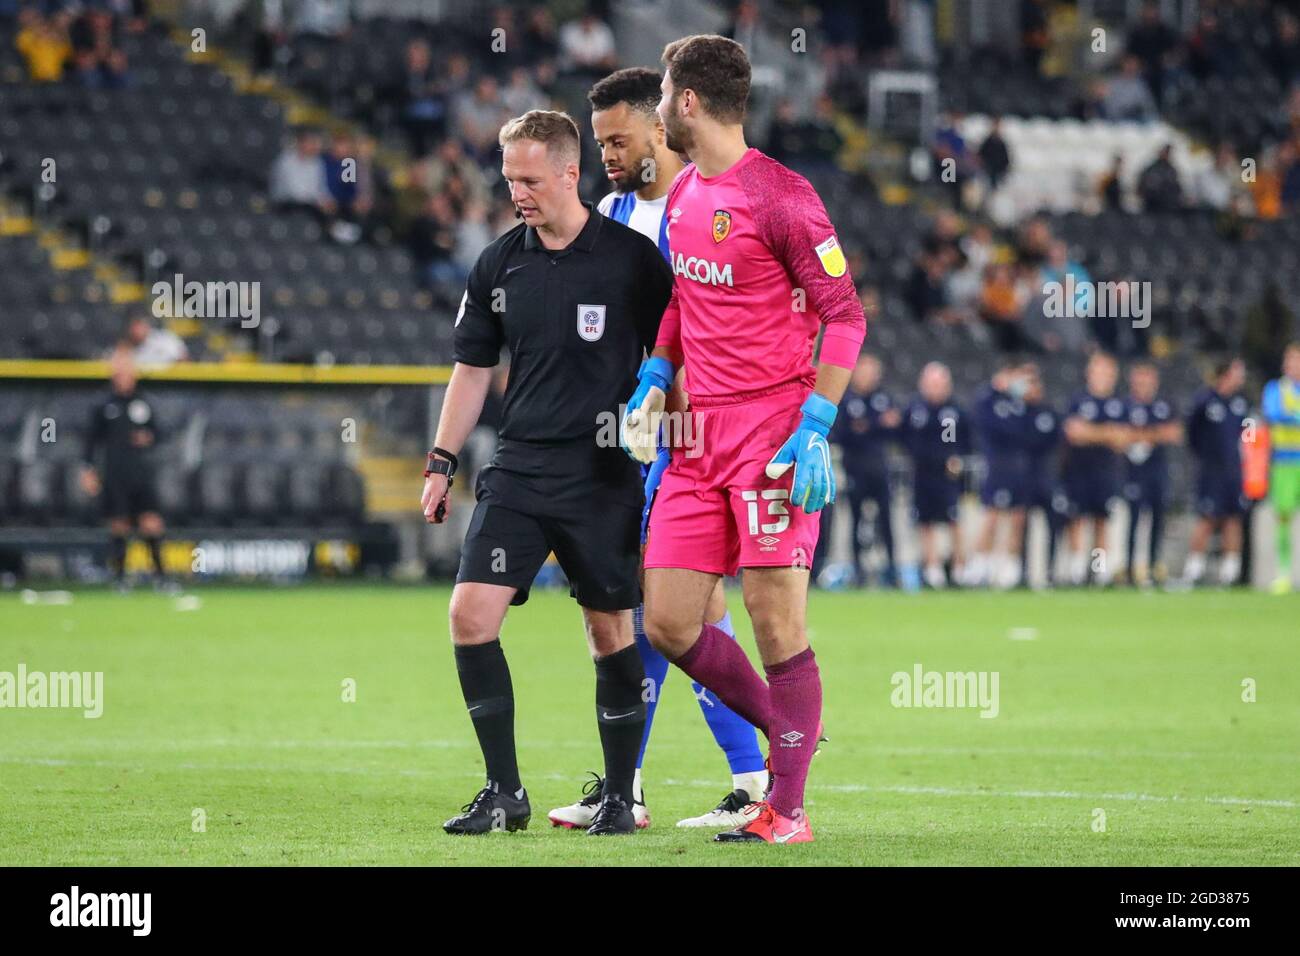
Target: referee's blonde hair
[[555, 130]]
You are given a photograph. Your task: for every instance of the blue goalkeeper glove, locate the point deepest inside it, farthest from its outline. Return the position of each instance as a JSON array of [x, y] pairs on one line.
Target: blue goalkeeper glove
[[639, 435], [810, 454]]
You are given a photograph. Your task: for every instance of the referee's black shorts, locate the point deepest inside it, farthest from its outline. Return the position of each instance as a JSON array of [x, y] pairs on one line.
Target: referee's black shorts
[[130, 493], [596, 537]]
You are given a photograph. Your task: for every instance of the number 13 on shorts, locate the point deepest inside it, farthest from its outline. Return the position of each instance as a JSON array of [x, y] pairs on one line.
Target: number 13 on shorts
[[774, 500]]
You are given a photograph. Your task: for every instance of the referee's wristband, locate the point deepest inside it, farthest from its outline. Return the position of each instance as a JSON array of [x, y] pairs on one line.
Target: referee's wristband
[[441, 462]]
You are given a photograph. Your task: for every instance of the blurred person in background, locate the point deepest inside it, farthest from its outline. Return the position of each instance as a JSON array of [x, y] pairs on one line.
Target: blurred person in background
[[1281, 407], [350, 182], [150, 345], [1043, 492], [1127, 96], [936, 434], [43, 44], [418, 96], [995, 158], [1158, 185], [587, 45], [298, 176], [1214, 439], [120, 467], [1096, 434], [868, 421], [1003, 427], [1152, 428]]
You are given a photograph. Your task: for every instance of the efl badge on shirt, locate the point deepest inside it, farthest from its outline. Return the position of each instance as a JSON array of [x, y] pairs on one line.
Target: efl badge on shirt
[[591, 322], [832, 257], [721, 225]]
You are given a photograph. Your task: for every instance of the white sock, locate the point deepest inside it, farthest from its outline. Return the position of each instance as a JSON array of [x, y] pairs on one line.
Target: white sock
[[1194, 569], [1010, 571], [636, 787], [724, 625], [1229, 568], [934, 576], [753, 784], [1079, 567]]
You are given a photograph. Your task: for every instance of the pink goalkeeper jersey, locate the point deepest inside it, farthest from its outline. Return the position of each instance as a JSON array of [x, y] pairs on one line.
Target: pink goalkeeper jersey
[[758, 269]]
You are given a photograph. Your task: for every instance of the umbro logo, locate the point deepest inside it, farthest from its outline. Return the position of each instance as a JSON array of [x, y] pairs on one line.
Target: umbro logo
[[791, 738]]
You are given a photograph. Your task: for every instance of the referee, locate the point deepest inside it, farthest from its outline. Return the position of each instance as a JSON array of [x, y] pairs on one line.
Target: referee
[[577, 299], [124, 432]]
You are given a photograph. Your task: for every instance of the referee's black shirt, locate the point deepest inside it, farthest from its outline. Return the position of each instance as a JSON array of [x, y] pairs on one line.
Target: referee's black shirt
[[125, 428], [576, 321]]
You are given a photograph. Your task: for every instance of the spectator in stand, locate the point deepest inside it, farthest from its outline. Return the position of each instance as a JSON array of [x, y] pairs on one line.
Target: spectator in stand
[[43, 44], [1034, 34], [925, 291], [1209, 51], [265, 19], [587, 45], [1284, 56], [1034, 242], [478, 117], [1266, 190], [783, 142], [1153, 43], [952, 158], [350, 182], [153, 346], [1221, 188], [1112, 185], [1288, 155], [821, 141], [1063, 332], [433, 244], [521, 93], [746, 25], [450, 170], [473, 232], [994, 156], [97, 60], [298, 176], [1127, 96], [418, 98], [540, 39], [1002, 307], [1159, 186]]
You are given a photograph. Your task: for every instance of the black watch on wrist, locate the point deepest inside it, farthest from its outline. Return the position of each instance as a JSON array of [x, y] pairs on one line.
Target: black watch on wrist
[[442, 462]]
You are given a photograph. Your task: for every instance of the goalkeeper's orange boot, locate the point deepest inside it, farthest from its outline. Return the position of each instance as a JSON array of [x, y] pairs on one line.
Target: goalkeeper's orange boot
[[770, 827]]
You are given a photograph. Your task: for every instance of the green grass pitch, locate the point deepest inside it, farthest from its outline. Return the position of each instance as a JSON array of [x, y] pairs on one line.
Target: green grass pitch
[[1115, 708]]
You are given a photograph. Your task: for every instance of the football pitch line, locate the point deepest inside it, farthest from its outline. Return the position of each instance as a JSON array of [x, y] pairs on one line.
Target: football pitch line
[[699, 784]]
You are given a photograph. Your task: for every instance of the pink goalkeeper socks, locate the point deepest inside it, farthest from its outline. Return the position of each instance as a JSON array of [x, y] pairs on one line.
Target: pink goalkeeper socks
[[718, 662], [795, 690]]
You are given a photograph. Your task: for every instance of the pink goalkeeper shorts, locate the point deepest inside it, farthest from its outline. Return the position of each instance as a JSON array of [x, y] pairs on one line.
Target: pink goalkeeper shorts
[[716, 510]]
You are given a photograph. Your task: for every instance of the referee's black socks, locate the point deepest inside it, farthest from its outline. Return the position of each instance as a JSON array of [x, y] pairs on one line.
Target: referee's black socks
[[620, 714], [155, 553], [490, 699], [117, 555]]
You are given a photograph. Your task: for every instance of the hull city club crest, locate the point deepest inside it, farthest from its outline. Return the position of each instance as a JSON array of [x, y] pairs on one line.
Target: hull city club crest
[[721, 225]]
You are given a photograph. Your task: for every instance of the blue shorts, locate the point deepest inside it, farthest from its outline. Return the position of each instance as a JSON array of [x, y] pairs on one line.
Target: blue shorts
[[934, 499], [1004, 488], [1090, 498], [1219, 494], [1146, 490]]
